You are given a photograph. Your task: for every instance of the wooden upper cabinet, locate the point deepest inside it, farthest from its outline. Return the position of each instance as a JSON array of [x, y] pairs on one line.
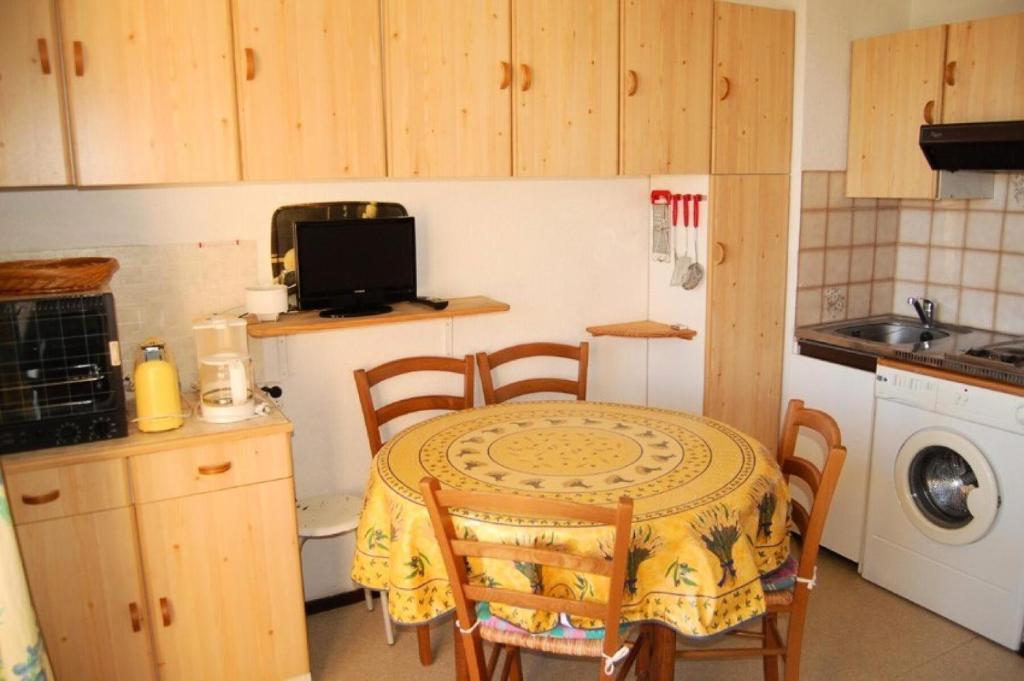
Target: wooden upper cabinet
[[566, 87], [150, 90], [749, 223], [666, 86], [309, 88], [984, 77], [33, 139], [449, 88], [753, 99], [895, 88]]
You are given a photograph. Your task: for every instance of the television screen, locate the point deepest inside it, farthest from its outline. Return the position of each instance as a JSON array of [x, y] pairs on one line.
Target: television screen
[[355, 262]]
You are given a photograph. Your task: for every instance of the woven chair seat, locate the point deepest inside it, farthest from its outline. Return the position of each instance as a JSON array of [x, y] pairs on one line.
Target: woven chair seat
[[778, 584], [577, 647]]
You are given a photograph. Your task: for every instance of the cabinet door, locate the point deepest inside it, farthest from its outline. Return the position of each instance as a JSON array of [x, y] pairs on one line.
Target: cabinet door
[[224, 584], [895, 88], [753, 101], [309, 88], [746, 302], [449, 85], [151, 90], [566, 80], [666, 86], [86, 584], [33, 141], [985, 71]]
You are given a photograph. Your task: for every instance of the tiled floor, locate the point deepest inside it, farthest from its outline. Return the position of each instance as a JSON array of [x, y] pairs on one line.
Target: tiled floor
[[855, 631]]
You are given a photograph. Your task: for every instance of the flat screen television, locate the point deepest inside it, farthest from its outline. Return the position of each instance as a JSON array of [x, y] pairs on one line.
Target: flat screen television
[[354, 267]]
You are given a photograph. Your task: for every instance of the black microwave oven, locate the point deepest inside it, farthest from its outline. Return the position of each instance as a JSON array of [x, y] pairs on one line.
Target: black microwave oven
[[60, 371]]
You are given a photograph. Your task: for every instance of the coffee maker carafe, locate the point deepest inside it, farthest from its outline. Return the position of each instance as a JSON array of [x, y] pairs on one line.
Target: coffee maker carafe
[[225, 370]]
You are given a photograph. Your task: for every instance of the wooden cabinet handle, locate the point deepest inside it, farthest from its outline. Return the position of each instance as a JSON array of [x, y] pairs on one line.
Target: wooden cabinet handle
[[166, 613], [215, 469], [719, 249], [76, 47], [724, 87], [506, 75], [929, 112], [250, 64], [634, 83], [133, 610], [525, 76], [951, 73], [40, 499], [44, 56]]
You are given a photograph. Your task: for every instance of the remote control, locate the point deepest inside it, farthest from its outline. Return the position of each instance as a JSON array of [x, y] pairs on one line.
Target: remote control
[[435, 303]]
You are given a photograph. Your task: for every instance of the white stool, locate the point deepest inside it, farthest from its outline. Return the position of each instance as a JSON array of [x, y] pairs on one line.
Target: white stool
[[332, 515]]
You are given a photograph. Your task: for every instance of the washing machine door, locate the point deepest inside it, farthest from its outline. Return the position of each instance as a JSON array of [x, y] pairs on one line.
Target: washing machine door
[[946, 486]]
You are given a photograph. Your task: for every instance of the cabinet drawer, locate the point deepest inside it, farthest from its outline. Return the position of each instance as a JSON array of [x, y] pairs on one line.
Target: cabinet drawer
[[207, 468], [67, 490]]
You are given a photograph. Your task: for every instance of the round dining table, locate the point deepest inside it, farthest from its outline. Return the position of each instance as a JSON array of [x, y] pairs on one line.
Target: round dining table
[[710, 511]]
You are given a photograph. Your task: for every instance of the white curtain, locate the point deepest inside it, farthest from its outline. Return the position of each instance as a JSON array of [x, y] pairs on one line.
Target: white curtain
[[22, 656]]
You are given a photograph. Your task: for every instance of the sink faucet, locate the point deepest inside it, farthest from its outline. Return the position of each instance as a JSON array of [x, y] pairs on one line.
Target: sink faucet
[[925, 310]]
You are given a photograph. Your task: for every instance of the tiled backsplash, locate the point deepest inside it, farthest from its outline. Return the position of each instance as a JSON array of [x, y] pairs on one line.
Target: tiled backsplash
[[160, 290], [967, 256]]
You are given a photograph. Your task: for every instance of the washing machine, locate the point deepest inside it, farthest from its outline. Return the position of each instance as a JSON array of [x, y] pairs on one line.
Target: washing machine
[[945, 520]]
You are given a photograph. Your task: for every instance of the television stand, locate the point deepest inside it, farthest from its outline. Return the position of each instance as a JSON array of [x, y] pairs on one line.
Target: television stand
[[355, 311]]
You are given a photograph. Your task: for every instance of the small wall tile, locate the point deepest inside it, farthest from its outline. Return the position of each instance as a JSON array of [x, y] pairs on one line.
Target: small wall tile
[[814, 193], [901, 291], [911, 263], [947, 302], [888, 231], [948, 228], [862, 263], [864, 227], [865, 204], [915, 226], [888, 203], [998, 200], [1013, 233], [881, 297], [808, 306], [837, 265], [840, 228], [1009, 313], [858, 301], [984, 230], [885, 262], [812, 269], [837, 191], [834, 307], [944, 265], [1015, 198], [977, 308], [812, 229], [1011, 274], [979, 269]]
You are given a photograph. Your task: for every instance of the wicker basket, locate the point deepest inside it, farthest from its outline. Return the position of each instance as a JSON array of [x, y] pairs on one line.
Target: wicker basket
[[55, 276]]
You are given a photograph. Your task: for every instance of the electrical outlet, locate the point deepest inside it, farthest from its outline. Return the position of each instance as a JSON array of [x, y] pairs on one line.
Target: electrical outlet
[[274, 393]]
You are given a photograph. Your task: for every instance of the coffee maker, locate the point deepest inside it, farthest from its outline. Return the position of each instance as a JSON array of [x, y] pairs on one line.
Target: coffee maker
[[226, 385]]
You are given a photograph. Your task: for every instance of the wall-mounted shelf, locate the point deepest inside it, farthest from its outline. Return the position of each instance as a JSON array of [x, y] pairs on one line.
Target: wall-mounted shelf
[[642, 329], [311, 321]]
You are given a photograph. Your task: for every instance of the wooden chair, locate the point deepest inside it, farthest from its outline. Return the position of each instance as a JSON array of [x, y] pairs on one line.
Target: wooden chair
[[374, 417], [470, 633], [786, 592], [490, 361]]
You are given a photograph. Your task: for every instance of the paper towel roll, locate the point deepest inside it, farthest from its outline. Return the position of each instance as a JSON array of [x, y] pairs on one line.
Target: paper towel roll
[[266, 302]]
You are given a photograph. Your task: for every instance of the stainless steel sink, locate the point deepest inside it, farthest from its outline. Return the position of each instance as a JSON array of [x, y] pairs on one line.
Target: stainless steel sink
[[893, 333]]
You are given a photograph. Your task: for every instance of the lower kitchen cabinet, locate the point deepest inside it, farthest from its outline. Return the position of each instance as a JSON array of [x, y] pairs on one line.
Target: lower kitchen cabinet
[[224, 584], [194, 575], [86, 584]]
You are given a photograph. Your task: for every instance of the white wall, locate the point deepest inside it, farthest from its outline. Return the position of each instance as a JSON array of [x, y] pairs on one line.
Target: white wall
[[931, 12]]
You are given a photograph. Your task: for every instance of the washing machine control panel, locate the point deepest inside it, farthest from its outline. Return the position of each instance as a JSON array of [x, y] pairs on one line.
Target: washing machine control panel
[[967, 402]]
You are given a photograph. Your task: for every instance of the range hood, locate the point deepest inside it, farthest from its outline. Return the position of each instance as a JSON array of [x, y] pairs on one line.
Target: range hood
[[974, 146]]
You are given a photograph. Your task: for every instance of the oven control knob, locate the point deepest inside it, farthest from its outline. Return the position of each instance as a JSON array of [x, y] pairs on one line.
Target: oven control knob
[[69, 433], [102, 428]]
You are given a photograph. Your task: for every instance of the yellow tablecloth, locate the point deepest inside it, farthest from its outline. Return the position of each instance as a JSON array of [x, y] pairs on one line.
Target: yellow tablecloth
[[710, 510]]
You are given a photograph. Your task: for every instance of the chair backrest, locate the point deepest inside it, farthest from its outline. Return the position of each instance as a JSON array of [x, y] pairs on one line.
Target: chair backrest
[[490, 361], [375, 417], [455, 550], [822, 482]]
